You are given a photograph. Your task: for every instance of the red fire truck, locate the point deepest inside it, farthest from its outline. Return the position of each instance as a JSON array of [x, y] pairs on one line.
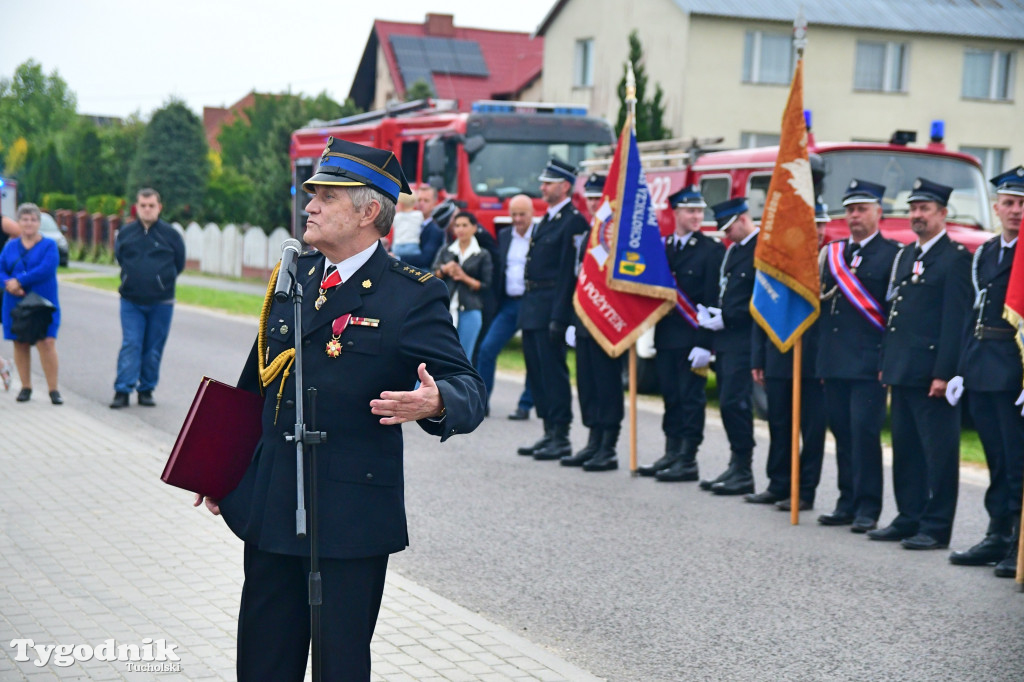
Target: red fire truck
[[481, 158]]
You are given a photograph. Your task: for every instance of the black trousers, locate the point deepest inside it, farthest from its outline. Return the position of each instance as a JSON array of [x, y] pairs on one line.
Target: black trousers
[[273, 621], [735, 385], [812, 433], [599, 383], [684, 394], [925, 461], [1001, 429], [549, 376], [856, 414]]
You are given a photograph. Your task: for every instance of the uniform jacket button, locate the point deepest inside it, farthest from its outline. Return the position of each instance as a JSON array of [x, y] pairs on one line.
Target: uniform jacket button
[[369, 476], [289, 403]]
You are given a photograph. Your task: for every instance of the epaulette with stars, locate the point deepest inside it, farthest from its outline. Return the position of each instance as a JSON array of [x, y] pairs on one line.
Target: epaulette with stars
[[409, 271]]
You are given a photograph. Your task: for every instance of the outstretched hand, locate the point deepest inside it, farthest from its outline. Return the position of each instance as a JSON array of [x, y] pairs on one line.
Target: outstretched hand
[[398, 407]]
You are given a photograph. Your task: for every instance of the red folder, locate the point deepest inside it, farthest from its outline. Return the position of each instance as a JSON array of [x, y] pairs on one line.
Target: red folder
[[216, 441]]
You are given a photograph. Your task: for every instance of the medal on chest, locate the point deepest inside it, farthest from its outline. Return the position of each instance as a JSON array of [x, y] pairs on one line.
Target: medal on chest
[[337, 327], [918, 271], [331, 281], [855, 263]]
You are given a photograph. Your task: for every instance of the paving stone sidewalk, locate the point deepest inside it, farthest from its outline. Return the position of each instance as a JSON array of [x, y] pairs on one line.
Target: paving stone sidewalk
[[94, 547]]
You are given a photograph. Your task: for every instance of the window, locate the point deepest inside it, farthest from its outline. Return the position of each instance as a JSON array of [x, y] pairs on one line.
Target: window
[[583, 73], [767, 58], [715, 190], [880, 67], [748, 140], [992, 159], [757, 192], [988, 74]]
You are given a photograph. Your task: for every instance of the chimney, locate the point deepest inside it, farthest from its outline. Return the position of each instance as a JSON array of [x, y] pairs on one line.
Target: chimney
[[440, 25]]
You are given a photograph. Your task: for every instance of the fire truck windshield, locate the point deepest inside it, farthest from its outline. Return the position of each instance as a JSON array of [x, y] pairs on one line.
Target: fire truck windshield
[[504, 169], [968, 204]]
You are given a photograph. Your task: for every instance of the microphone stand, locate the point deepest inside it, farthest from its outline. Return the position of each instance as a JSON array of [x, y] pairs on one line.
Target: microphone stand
[[303, 437]]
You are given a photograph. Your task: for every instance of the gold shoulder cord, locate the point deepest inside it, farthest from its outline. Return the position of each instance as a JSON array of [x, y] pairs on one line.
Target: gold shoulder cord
[[282, 364]]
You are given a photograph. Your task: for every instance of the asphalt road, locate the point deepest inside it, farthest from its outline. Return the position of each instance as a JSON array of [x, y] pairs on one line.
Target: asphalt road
[[628, 578]]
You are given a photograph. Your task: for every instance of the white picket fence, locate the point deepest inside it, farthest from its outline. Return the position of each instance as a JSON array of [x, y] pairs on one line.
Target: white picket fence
[[231, 251]]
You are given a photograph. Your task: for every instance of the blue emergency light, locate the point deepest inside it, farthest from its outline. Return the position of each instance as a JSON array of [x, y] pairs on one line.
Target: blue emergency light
[[807, 118], [938, 130]]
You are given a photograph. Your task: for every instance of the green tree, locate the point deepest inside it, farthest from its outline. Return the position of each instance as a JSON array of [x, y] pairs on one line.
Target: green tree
[[84, 156], [256, 145], [172, 159], [34, 105], [120, 142], [650, 113], [419, 90], [44, 172]]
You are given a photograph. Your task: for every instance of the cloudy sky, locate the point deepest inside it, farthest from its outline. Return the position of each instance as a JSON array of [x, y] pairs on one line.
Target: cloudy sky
[[120, 56]]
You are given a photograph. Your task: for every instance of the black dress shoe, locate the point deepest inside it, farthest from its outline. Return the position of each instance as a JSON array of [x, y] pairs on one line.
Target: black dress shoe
[[1007, 568], [680, 470], [660, 464], [740, 484], [863, 524], [889, 534], [519, 415], [787, 505], [120, 400], [923, 541], [836, 518], [763, 497], [146, 399], [24, 395], [989, 551], [55, 398]]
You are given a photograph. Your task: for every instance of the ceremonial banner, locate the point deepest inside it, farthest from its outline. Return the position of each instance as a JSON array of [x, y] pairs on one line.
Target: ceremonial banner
[[786, 287], [618, 297], [1013, 310]]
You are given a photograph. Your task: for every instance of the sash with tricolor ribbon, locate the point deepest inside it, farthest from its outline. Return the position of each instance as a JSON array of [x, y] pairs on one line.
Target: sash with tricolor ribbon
[[685, 307], [858, 296]]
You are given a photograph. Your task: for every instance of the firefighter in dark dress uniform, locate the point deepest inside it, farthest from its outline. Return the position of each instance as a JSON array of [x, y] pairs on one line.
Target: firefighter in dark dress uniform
[[683, 346], [931, 292], [774, 371], [732, 323], [849, 351], [990, 371], [546, 309], [372, 326]]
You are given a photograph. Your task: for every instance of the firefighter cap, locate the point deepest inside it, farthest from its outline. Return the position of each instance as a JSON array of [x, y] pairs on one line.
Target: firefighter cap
[[557, 170], [820, 211], [1010, 182], [863, 192], [926, 190], [687, 196], [347, 164], [593, 188], [728, 211]]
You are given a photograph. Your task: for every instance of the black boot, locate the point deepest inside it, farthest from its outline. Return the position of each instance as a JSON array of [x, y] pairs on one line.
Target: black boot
[[728, 473], [559, 445], [588, 451], [684, 468], [673, 451], [1007, 568], [742, 480], [529, 450], [605, 459]]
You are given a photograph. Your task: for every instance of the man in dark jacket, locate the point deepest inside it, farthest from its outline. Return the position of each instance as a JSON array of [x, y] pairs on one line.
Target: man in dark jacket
[[431, 234], [371, 327], [152, 255]]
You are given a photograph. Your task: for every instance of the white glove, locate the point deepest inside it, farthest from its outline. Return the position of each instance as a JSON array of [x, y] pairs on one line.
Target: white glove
[[710, 318], [954, 389], [699, 357], [570, 336], [1020, 401]]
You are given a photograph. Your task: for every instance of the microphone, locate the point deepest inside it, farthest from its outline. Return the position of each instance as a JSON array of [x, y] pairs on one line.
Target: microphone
[[286, 275]]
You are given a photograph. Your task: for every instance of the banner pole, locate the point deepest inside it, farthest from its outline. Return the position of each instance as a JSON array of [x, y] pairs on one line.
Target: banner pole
[[632, 412], [1019, 579], [794, 481]]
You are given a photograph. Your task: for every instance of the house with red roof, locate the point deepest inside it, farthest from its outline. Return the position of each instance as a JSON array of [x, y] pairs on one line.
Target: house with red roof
[[462, 64]]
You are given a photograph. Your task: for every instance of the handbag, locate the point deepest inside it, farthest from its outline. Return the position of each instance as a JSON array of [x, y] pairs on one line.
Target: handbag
[[31, 318]]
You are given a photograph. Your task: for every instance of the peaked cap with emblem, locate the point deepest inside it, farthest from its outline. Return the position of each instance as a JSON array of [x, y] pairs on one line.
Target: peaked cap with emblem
[[557, 170], [863, 192], [1010, 182], [926, 190], [347, 164], [728, 211], [687, 196], [821, 211], [594, 186]]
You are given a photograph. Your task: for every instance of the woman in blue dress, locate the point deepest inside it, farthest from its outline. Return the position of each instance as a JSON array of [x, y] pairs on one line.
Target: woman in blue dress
[[29, 263]]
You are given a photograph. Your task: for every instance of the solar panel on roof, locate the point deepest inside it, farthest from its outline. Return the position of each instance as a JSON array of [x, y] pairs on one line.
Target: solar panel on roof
[[419, 57]]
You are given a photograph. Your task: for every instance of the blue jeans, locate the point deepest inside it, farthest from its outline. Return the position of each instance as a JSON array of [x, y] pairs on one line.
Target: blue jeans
[[144, 330], [503, 327], [470, 322]]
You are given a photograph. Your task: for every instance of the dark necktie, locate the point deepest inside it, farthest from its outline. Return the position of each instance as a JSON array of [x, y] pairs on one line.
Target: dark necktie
[[1004, 251], [331, 277], [918, 252], [854, 248]]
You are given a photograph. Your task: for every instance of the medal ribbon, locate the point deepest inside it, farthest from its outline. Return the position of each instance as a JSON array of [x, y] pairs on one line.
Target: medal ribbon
[[858, 296], [684, 306]]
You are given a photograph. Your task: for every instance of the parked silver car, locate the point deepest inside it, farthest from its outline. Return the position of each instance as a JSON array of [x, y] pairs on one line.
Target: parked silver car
[[49, 228]]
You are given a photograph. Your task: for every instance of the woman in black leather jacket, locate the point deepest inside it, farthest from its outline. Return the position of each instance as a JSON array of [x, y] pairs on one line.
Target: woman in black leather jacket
[[467, 269]]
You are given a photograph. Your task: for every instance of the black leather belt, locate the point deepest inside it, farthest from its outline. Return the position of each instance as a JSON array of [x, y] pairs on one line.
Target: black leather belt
[[984, 333], [535, 284]]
